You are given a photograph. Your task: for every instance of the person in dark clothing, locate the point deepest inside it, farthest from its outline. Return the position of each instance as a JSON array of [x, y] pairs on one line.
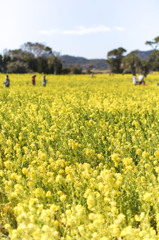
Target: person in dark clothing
[[33, 79], [7, 82], [44, 81]]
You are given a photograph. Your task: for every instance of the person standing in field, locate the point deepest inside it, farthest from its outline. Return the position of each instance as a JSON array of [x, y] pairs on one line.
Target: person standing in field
[[135, 82], [33, 79], [7, 82], [141, 79], [44, 81]]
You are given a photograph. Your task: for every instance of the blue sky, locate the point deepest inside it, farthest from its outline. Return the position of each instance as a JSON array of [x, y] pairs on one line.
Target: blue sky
[[87, 28]]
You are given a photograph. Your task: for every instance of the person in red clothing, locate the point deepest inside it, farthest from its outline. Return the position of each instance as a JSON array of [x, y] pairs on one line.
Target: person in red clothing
[[33, 79]]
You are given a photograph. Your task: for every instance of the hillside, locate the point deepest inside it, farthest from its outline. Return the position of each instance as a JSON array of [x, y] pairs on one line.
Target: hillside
[[83, 62], [68, 60], [144, 54]]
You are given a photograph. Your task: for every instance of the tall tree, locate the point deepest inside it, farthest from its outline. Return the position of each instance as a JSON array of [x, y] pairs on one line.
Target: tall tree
[[154, 43], [37, 49], [5, 61], [76, 69], [55, 65], [24, 59], [114, 59], [18, 54], [31, 57], [17, 67], [1, 63], [154, 57], [145, 67], [42, 66], [131, 62], [89, 68]]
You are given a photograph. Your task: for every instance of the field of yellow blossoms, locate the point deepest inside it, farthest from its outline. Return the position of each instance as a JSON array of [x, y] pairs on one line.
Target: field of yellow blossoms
[[79, 158]]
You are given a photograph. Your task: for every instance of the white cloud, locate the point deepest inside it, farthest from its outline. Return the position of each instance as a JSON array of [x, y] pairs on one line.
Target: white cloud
[[119, 28], [81, 30]]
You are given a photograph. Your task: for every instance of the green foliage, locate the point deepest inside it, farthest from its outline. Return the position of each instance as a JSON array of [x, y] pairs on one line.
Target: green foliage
[[154, 57], [131, 62], [42, 65], [32, 57], [17, 67], [55, 65], [114, 59], [145, 67], [89, 68], [66, 70], [154, 44], [37, 49], [76, 69]]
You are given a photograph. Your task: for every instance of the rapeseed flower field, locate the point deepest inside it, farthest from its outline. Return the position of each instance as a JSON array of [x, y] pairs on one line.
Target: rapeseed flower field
[[79, 158]]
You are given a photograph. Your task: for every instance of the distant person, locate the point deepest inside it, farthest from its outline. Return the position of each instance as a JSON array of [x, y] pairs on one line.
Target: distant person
[[92, 75], [33, 79], [135, 82], [7, 82], [44, 81], [141, 79]]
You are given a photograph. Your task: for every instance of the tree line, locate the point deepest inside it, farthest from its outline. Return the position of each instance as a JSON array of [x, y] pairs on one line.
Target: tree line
[[132, 63], [37, 57], [34, 57]]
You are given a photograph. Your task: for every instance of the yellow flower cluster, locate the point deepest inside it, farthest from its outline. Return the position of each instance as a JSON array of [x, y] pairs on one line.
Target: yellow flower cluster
[[79, 159]]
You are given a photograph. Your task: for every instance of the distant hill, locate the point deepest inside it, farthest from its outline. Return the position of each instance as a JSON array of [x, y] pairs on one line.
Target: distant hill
[[83, 62], [144, 54], [68, 60]]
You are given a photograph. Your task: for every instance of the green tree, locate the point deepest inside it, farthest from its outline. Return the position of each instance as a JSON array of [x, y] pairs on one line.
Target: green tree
[[42, 65], [154, 43], [55, 65], [66, 70], [154, 57], [17, 67], [23, 58], [5, 61], [76, 69], [37, 49], [1, 63], [131, 62], [145, 67], [18, 54], [114, 59], [89, 68], [31, 57]]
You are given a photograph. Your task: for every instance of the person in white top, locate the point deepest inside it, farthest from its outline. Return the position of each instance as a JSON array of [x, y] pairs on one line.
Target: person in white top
[[135, 82], [141, 79]]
